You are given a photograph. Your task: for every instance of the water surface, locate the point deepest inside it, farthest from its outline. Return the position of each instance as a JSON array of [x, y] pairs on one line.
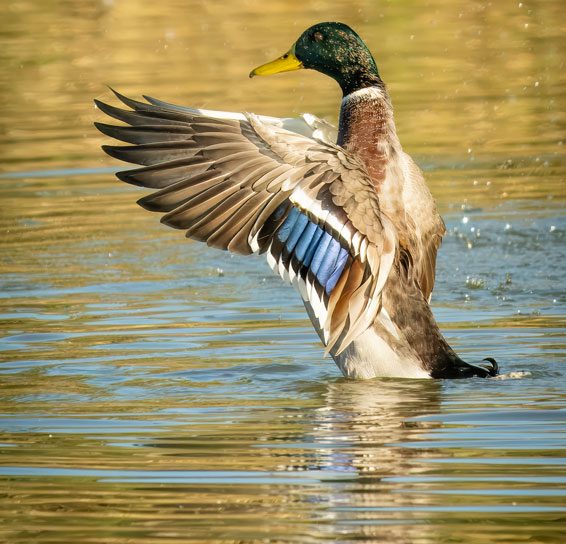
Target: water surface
[[155, 390]]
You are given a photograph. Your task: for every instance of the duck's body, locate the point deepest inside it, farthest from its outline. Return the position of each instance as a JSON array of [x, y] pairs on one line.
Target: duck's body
[[352, 224]]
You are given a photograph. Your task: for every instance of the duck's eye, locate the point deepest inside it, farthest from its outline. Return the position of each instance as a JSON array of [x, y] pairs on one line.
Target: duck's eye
[[318, 36]]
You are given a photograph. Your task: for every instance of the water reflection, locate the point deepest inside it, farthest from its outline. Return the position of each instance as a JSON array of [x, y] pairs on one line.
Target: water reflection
[[255, 471], [333, 459], [361, 430], [364, 421]]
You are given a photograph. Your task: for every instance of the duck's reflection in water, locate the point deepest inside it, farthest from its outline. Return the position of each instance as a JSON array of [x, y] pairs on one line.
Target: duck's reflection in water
[[362, 425], [328, 468], [358, 439]]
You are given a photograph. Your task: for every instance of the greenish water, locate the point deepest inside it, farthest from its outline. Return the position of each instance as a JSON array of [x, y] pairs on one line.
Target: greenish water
[[155, 390]]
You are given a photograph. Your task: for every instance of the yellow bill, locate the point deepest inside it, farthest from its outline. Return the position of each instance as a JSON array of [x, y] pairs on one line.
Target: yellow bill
[[287, 63]]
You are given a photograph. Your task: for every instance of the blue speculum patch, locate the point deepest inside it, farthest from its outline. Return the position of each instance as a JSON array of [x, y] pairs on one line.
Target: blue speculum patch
[[313, 248]]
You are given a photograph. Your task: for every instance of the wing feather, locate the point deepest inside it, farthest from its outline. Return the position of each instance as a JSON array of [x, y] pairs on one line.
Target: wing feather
[[429, 225], [150, 154], [233, 181]]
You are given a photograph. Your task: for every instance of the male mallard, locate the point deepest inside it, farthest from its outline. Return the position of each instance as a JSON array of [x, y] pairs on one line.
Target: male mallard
[[352, 224]]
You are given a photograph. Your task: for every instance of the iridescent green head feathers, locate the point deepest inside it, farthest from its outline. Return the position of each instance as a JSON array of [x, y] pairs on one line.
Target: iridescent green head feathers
[[333, 49]]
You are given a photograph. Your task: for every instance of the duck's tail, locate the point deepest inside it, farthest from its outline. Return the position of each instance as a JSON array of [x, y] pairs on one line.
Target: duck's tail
[[413, 319]]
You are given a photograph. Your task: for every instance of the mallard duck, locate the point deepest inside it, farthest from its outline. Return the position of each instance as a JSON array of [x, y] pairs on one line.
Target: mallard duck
[[344, 216]]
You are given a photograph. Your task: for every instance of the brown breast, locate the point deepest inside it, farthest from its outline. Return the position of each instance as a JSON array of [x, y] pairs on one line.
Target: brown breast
[[366, 124]]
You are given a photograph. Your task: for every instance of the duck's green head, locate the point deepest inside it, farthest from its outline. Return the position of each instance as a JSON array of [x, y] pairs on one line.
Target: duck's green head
[[333, 49]]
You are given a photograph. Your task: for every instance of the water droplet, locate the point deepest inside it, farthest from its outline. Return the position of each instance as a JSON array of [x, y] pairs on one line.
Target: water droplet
[[475, 283]]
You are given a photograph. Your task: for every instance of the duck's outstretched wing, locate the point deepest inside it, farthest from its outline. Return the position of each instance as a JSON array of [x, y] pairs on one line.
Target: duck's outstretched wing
[[246, 184], [306, 124]]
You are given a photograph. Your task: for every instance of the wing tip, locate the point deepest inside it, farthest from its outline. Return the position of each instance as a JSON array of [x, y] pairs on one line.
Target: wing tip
[[122, 98], [104, 128], [148, 203], [114, 151], [128, 176]]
